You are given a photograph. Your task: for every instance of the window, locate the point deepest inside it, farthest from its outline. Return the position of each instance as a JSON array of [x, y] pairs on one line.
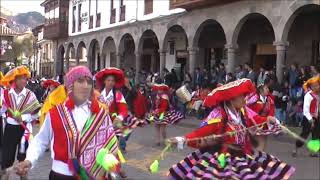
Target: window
[[122, 11], [74, 19], [112, 13], [148, 6], [79, 17]]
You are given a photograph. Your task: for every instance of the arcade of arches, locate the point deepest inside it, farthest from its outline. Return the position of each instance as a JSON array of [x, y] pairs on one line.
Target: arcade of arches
[[254, 37]]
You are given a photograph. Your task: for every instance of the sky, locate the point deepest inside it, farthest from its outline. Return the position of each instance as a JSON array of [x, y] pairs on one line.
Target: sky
[[22, 6]]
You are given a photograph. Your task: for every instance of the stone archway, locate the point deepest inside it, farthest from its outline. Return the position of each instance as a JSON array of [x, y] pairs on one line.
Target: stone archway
[[60, 60], [302, 31], [109, 53], [255, 36], [81, 56], [70, 60], [174, 51], [210, 40], [149, 49], [127, 52], [94, 61]]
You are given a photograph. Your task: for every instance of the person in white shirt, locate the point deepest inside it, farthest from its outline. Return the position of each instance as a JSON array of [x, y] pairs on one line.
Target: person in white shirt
[[311, 119], [76, 130], [21, 106]]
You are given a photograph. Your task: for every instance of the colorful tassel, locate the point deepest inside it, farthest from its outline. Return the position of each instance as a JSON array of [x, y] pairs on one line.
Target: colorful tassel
[[83, 174], [121, 158], [314, 145], [154, 167], [76, 165], [151, 118], [222, 160], [114, 115]]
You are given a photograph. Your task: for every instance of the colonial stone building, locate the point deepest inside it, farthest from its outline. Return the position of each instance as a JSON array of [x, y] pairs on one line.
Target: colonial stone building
[[185, 34]]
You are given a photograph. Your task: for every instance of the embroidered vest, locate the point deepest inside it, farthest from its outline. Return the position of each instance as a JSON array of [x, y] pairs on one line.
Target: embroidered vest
[[314, 106], [25, 106], [95, 135]]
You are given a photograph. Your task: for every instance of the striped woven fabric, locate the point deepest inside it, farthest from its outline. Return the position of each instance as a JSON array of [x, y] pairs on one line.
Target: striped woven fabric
[[170, 117], [275, 129], [262, 166], [129, 124]]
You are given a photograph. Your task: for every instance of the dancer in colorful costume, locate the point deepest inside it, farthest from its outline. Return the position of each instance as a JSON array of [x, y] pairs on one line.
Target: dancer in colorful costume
[[263, 105], [79, 131], [21, 107], [1, 112], [55, 94], [111, 80], [311, 114], [162, 114], [222, 154]]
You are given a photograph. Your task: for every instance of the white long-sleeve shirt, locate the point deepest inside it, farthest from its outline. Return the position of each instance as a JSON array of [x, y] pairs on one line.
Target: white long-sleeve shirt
[[306, 106], [41, 141]]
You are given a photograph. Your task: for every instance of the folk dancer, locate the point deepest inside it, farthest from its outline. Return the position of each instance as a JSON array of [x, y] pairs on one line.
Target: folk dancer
[[263, 105], [162, 114], [311, 119], [229, 156], [21, 106], [78, 129]]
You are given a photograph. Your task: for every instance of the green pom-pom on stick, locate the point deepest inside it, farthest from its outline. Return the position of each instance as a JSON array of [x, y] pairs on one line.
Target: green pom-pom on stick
[[314, 145], [222, 160], [161, 117], [154, 167]]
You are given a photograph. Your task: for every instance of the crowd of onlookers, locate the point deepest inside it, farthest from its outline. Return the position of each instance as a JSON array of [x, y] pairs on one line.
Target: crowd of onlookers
[[288, 95]]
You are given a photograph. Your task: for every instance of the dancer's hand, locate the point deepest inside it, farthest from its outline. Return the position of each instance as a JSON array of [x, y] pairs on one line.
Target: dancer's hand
[[272, 119], [23, 167]]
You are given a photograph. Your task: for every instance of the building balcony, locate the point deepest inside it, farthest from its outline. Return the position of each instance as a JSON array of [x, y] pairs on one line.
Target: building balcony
[[196, 4], [55, 29]]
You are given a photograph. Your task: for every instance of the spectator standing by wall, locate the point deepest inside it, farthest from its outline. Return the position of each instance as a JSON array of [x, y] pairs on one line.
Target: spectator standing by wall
[[251, 74], [293, 78]]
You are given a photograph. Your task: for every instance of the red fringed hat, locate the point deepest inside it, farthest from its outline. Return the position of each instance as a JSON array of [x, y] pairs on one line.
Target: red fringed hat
[[229, 91], [117, 73], [160, 87], [49, 82]]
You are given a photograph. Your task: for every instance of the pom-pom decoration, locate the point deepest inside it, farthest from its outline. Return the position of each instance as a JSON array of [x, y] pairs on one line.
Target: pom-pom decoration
[[161, 117], [107, 160], [154, 167], [314, 145], [222, 160]]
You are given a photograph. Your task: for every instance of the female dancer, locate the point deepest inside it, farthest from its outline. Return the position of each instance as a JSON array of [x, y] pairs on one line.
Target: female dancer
[[264, 106], [230, 155], [162, 114]]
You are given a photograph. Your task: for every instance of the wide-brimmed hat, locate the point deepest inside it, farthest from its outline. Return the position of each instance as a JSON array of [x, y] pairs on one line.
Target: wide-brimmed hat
[[117, 73], [309, 82], [13, 73], [229, 91], [160, 87], [50, 82]]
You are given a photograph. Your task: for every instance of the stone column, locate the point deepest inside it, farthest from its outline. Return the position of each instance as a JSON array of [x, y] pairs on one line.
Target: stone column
[[162, 61], [231, 52], [192, 59], [118, 60], [281, 48], [67, 64], [138, 66]]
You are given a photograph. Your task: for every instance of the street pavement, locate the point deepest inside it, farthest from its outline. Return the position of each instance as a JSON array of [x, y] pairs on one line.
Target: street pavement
[[141, 151]]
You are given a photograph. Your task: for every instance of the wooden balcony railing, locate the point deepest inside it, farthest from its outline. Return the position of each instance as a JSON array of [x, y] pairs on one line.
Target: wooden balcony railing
[[113, 16], [56, 29], [98, 20], [122, 13]]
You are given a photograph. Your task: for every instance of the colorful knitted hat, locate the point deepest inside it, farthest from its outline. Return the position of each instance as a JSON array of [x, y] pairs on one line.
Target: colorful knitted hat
[[74, 74]]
